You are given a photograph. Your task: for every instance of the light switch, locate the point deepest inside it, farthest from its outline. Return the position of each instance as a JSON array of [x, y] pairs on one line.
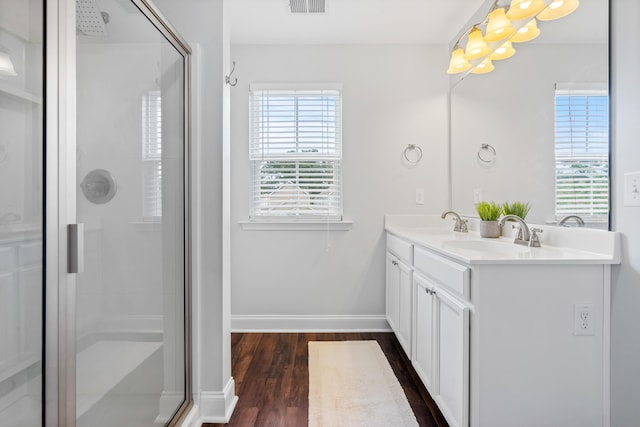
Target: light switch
[[477, 195], [632, 189], [419, 196]]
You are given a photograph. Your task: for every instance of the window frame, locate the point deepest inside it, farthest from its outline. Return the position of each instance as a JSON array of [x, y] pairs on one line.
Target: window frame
[[330, 153]]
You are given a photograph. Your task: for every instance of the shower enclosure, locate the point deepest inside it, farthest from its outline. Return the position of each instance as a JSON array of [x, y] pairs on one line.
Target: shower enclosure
[[113, 343]]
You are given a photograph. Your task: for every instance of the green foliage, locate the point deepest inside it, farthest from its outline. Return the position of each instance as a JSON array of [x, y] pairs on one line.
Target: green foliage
[[520, 209], [311, 175], [489, 211]]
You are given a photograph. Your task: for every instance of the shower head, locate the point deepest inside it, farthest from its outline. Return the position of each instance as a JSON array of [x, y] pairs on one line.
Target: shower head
[[90, 21]]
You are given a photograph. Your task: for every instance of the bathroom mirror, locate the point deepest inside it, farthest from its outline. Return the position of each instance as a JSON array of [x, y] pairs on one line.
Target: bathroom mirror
[[503, 135]]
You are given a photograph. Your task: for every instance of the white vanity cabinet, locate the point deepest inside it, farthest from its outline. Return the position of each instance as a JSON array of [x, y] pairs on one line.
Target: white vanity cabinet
[[505, 335], [441, 333], [399, 301]]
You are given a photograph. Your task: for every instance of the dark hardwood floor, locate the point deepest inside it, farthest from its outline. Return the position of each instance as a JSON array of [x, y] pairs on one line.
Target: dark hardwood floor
[[272, 378]]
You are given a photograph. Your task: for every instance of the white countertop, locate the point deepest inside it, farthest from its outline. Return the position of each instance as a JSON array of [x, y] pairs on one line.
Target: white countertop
[[559, 245]]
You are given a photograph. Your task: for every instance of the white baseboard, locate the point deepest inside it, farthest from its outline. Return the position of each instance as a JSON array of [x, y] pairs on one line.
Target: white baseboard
[[217, 407], [313, 323]]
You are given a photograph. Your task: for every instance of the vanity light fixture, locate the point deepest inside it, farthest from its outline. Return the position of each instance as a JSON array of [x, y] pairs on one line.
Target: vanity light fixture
[[498, 27], [500, 32], [484, 67], [476, 46], [526, 33], [503, 52], [6, 66], [523, 9], [458, 62], [558, 9]]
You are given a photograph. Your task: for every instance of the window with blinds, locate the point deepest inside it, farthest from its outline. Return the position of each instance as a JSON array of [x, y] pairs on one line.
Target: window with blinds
[[152, 156], [295, 151], [582, 152]]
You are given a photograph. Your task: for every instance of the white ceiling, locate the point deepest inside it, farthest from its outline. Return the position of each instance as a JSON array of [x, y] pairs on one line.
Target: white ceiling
[[391, 21], [350, 22]]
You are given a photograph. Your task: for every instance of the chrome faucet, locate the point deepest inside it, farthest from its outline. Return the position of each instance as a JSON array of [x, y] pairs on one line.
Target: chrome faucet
[[562, 222], [529, 237], [461, 224]]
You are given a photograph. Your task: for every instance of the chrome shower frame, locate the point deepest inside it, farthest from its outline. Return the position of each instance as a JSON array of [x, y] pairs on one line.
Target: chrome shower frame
[[59, 407]]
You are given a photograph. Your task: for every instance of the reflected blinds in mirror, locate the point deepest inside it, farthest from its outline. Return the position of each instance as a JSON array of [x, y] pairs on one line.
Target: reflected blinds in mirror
[[582, 152]]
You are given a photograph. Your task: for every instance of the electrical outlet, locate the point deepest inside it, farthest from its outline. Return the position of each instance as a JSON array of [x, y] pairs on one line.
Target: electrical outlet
[[419, 196], [583, 319]]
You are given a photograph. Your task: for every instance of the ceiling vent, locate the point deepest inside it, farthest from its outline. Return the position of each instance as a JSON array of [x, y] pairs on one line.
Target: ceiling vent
[[307, 6]]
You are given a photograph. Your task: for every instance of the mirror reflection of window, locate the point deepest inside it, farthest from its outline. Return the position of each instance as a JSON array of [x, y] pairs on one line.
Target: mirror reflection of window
[[152, 156], [582, 151]]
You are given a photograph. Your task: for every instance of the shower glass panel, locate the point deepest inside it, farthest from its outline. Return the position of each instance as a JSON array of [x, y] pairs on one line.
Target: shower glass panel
[[130, 312], [21, 212]]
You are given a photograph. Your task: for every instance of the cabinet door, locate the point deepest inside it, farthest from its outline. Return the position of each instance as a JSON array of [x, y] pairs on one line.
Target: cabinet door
[[393, 291], [452, 358], [423, 341], [405, 307]]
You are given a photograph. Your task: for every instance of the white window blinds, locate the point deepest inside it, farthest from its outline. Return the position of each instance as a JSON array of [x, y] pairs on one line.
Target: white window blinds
[[295, 150], [582, 152], [151, 156]]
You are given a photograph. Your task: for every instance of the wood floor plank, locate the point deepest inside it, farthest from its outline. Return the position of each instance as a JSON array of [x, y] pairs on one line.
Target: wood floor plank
[[243, 347], [271, 371]]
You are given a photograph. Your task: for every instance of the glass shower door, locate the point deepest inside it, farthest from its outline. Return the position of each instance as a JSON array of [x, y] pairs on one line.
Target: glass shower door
[[131, 298], [21, 213]]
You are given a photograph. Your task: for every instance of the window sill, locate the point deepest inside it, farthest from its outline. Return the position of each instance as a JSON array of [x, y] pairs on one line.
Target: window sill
[[297, 225]]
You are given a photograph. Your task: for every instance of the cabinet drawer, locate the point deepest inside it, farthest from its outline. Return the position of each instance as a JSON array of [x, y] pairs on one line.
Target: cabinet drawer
[[448, 273], [400, 248]]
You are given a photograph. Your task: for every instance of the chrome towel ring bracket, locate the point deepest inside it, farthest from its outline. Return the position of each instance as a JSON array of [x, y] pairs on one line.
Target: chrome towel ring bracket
[[412, 154], [486, 155]]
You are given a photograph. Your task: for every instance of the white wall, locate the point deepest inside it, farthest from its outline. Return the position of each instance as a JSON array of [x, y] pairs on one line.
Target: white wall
[[512, 109], [201, 23], [393, 95], [625, 335]]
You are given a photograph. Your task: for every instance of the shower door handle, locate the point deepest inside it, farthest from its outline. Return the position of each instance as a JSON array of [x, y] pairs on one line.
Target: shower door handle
[[75, 234]]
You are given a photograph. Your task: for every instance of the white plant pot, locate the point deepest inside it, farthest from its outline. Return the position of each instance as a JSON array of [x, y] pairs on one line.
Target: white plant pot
[[489, 229]]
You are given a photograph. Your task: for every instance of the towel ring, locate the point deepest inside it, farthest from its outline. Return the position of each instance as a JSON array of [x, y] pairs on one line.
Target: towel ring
[[412, 147], [487, 154]]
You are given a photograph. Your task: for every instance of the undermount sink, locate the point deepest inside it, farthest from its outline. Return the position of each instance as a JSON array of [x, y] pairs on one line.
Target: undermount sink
[[500, 247]]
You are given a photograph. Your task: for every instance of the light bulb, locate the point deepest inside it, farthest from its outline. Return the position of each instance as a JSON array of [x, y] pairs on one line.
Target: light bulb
[[556, 4]]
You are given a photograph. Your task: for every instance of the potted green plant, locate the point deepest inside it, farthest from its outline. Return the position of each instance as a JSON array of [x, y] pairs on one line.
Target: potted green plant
[[520, 209], [489, 213]]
